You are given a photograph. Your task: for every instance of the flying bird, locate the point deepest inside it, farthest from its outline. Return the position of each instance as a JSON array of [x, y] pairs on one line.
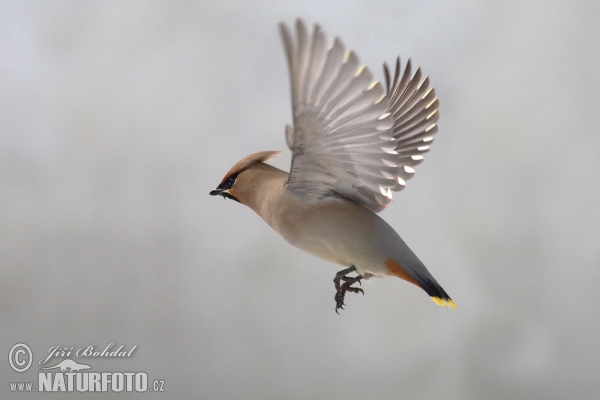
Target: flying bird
[[352, 144]]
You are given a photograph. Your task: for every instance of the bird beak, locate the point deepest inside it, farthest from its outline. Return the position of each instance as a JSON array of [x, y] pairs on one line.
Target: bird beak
[[223, 192]]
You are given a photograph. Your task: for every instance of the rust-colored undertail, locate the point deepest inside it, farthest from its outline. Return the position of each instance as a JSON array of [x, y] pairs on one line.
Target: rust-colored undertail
[[433, 289]]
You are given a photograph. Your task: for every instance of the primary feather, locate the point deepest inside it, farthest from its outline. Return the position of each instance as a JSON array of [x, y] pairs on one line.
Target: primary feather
[[349, 137]]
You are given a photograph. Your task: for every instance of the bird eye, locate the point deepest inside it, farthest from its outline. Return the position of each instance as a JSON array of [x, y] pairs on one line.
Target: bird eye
[[229, 182]]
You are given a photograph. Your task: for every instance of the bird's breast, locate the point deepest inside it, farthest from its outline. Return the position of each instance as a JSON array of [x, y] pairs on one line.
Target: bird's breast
[[334, 229]]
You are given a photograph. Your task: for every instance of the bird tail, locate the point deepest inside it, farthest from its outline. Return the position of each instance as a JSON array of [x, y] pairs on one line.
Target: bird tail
[[424, 281]]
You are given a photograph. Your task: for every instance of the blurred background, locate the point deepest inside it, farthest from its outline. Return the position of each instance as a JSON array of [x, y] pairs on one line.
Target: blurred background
[[118, 117]]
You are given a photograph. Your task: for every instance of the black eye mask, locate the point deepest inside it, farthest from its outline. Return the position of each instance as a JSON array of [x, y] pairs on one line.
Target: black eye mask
[[228, 184]]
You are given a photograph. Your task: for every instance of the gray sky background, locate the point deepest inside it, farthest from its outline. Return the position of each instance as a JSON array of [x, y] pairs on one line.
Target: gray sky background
[[118, 117]]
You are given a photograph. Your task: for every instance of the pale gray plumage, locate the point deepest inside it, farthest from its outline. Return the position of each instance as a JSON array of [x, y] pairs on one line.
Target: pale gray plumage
[[352, 145], [349, 137]]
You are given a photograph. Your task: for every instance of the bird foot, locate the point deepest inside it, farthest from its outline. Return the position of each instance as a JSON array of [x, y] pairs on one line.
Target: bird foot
[[341, 289]]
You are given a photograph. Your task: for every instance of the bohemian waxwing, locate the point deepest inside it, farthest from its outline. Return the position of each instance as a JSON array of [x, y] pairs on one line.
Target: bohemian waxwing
[[352, 146]]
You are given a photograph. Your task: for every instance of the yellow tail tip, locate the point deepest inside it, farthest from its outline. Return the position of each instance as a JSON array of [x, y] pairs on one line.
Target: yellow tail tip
[[443, 302]]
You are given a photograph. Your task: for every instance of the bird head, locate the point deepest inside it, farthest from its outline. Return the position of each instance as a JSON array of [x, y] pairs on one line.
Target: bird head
[[236, 183]]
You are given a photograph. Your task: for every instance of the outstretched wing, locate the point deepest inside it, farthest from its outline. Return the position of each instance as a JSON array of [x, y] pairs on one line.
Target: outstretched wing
[[346, 136], [414, 107]]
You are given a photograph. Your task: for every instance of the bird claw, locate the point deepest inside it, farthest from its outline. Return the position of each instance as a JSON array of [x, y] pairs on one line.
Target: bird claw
[[345, 287]]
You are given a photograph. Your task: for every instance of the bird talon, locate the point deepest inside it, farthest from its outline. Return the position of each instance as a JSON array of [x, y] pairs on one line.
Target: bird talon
[[345, 287]]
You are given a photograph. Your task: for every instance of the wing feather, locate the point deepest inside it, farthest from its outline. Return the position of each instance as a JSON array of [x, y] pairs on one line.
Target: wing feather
[[349, 136]]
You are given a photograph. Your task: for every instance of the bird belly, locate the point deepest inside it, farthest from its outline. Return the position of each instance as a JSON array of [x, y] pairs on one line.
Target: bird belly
[[339, 232]]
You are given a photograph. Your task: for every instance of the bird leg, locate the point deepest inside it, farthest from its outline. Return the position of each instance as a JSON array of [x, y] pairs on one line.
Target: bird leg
[[345, 287]]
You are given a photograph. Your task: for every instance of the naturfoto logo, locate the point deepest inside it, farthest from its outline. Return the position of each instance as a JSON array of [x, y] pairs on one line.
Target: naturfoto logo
[[59, 372]]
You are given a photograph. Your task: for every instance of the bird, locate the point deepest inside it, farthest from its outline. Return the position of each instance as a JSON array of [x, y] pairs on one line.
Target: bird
[[353, 144]]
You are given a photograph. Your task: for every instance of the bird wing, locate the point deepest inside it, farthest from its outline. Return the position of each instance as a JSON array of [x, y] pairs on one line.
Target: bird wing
[[349, 137]]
